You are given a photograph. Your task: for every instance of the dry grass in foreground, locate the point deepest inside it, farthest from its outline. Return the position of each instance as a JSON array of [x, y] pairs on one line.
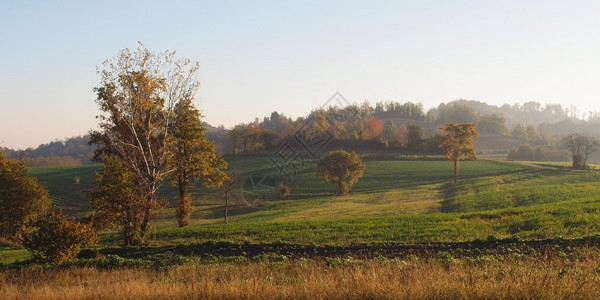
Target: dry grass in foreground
[[543, 277]]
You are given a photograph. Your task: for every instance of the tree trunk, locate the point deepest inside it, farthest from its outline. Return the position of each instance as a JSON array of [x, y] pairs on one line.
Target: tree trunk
[[184, 208], [456, 171], [340, 188], [226, 208], [146, 219]]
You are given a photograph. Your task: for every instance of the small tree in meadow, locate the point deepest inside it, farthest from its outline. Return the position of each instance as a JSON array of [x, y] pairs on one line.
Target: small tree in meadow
[[458, 143], [231, 183], [580, 146], [342, 168]]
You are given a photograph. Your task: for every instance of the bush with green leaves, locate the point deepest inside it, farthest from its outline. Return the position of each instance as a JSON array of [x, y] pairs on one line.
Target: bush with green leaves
[[58, 238], [342, 168], [22, 198]]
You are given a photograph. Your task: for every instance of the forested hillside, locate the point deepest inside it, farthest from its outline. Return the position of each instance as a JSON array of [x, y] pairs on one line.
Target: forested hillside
[[385, 126]]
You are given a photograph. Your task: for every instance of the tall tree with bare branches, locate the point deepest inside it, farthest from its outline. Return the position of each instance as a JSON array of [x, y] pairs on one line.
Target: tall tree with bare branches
[[580, 146], [137, 95]]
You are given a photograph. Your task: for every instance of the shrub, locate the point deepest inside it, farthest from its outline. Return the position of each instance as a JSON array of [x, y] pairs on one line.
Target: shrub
[[342, 168], [22, 199], [539, 153], [283, 192], [58, 238]]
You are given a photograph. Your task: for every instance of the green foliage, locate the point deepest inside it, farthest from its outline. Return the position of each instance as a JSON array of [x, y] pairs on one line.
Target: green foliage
[[458, 143], [22, 198], [194, 158], [341, 168], [117, 201], [519, 132], [139, 93], [389, 132], [455, 112], [58, 238], [415, 137], [539, 153], [491, 124]]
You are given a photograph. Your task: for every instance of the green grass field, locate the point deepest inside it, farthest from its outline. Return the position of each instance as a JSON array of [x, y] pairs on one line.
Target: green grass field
[[396, 201], [386, 180], [404, 217]]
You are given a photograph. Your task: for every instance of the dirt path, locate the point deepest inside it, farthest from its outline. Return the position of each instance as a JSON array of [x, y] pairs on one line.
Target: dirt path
[[533, 165]]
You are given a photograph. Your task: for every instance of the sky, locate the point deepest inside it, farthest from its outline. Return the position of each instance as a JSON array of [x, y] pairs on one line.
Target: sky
[[292, 56]]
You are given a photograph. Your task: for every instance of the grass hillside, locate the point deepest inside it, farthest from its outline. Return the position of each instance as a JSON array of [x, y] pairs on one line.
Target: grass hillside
[[507, 230], [383, 179], [396, 201]]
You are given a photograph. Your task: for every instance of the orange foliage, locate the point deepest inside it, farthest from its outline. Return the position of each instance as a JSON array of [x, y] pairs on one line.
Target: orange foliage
[[374, 127]]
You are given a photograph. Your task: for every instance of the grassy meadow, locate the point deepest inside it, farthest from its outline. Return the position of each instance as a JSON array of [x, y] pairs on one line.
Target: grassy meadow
[[486, 277], [406, 201], [404, 231]]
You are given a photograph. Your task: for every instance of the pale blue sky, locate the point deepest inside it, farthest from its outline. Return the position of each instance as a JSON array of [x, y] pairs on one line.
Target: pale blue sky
[[291, 56]]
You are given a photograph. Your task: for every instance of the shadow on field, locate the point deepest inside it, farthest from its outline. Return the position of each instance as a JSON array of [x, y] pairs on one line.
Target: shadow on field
[[450, 192]]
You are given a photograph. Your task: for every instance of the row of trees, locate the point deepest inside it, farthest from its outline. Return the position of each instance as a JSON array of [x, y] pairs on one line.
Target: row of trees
[[383, 125], [380, 127], [373, 132]]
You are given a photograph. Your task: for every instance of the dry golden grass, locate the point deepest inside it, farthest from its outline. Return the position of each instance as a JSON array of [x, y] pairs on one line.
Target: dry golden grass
[[481, 278]]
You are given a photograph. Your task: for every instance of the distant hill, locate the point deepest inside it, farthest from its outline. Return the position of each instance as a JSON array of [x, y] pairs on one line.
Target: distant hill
[[77, 151], [381, 127], [68, 152]]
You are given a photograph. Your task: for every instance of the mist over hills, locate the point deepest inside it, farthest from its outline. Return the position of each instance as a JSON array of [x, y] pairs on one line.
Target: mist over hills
[[383, 126]]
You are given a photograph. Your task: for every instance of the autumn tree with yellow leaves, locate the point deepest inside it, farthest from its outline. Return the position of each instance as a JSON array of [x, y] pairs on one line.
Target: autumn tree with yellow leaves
[[139, 95], [458, 143]]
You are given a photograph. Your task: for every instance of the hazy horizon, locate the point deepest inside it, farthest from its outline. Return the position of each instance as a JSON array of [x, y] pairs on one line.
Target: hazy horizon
[[260, 57]]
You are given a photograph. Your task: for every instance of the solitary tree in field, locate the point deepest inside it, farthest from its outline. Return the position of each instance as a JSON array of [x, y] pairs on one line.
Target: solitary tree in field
[[342, 168], [22, 199], [194, 158], [138, 95], [233, 181], [458, 143], [580, 146]]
